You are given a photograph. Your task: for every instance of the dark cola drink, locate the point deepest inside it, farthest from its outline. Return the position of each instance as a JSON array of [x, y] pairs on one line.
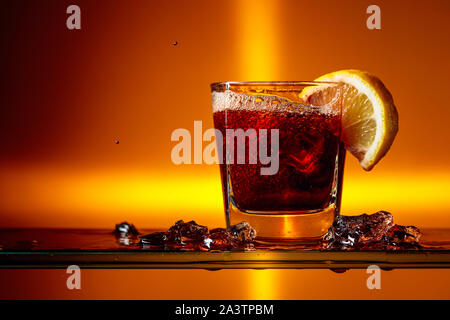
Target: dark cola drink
[[299, 197]]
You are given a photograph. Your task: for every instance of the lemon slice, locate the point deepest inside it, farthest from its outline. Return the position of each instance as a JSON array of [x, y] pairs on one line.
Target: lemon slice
[[369, 116]]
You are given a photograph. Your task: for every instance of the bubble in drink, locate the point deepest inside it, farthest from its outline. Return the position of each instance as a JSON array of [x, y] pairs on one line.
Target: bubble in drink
[[308, 145]]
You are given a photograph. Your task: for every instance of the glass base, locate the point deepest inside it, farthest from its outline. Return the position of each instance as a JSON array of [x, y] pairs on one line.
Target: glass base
[[295, 226]]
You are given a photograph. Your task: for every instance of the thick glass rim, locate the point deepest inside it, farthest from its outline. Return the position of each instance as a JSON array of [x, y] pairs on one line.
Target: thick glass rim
[[228, 84]]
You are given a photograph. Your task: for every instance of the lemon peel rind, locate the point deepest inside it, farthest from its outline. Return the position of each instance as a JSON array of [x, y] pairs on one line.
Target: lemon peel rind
[[386, 122]]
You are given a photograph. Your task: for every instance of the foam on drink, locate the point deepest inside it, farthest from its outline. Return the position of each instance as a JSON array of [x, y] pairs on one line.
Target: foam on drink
[[229, 100]]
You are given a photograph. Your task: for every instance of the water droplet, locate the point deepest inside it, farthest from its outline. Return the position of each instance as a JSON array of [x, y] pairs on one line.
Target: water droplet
[[339, 270], [258, 100], [116, 141], [175, 43]]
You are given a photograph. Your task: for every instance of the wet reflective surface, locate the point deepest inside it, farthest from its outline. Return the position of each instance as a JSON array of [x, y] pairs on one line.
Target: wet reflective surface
[[96, 248]]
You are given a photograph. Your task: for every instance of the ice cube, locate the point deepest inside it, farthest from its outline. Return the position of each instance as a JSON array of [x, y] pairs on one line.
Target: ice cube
[[376, 231], [125, 229], [192, 236]]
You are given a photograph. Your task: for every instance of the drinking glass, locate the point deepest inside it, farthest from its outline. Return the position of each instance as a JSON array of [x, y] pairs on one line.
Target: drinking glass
[[280, 154]]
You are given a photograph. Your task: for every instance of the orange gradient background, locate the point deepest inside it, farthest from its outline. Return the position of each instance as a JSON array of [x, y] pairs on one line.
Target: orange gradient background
[[67, 96]]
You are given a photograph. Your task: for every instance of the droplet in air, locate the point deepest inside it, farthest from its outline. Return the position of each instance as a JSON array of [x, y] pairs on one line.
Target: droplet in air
[[175, 43], [116, 141]]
